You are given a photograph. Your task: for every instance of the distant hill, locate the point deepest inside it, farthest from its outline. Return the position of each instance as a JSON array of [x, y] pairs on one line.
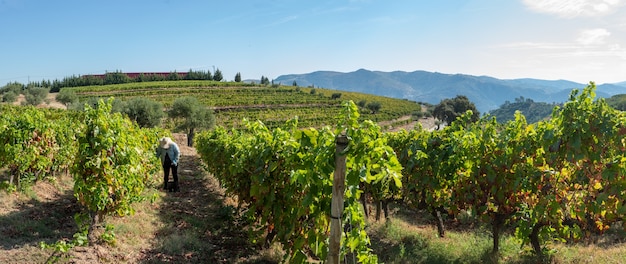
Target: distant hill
[[487, 93], [621, 84], [617, 101], [612, 89], [532, 111]]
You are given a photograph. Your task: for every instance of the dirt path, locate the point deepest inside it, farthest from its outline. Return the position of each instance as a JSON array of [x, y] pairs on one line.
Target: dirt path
[[45, 214], [199, 224], [427, 124], [49, 102]]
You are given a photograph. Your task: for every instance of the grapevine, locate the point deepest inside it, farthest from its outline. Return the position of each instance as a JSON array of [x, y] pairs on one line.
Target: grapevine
[[284, 177], [114, 162]]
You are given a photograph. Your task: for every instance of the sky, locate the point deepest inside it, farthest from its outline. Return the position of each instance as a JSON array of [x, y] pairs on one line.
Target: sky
[[576, 40]]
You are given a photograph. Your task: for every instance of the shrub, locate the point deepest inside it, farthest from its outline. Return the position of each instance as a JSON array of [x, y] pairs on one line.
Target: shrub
[[67, 97], [190, 115], [374, 107], [145, 112], [9, 97], [361, 103], [35, 96]]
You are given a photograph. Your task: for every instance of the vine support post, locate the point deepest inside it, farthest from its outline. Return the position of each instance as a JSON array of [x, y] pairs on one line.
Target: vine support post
[[339, 186]]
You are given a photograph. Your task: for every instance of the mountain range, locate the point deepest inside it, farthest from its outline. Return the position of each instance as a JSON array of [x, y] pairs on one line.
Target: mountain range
[[487, 93]]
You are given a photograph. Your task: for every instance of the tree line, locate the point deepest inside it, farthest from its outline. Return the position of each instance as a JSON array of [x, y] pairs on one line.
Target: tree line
[[118, 77], [533, 111]]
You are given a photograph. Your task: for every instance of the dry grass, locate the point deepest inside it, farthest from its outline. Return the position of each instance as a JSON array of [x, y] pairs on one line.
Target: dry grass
[[589, 254], [42, 212], [49, 102], [411, 237]]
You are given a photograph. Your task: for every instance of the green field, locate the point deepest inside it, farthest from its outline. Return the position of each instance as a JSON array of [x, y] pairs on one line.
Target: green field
[[232, 102]]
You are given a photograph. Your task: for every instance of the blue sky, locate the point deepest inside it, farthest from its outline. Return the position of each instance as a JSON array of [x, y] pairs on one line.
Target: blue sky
[[578, 40]]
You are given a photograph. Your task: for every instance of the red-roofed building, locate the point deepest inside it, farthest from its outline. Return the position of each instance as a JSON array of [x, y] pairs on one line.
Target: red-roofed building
[[135, 75]]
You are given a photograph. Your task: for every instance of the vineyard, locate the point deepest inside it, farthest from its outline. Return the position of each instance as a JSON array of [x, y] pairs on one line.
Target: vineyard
[[232, 102], [559, 180], [555, 183]]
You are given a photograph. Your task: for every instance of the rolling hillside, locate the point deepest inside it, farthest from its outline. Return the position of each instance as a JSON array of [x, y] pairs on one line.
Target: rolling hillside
[[431, 87], [618, 101], [273, 105]]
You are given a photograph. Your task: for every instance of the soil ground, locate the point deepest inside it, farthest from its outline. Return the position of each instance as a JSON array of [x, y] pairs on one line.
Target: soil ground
[[195, 225], [49, 102]]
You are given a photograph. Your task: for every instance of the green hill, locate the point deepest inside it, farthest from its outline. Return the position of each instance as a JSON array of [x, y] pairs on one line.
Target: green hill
[[533, 111], [273, 105], [617, 101]]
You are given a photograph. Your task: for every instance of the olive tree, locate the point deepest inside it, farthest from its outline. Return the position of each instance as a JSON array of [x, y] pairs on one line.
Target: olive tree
[[145, 112], [190, 115], [67, 97], [35, 96], [361, 103], [9, 97], [449, 109], [117, 105], [374, 107]]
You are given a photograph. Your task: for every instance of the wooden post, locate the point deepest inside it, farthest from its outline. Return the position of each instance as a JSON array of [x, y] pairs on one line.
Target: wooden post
[[339, 186]]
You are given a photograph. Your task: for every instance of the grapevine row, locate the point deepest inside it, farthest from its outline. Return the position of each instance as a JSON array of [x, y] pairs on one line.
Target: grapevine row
[[561, 179], [284, 176], [109, 157]]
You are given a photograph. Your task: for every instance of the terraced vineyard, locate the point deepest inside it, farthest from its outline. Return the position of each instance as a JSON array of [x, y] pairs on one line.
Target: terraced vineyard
[[233, 102]]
